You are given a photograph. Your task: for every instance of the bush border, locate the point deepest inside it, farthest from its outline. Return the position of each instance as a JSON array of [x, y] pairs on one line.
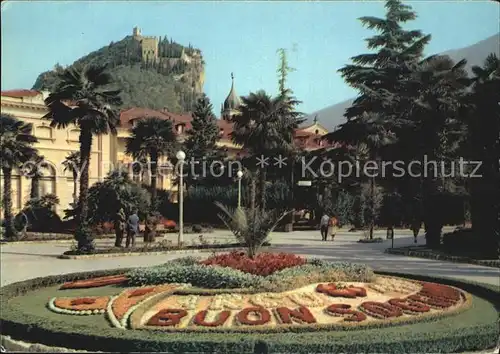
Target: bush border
[[29, 328], [405, 251]]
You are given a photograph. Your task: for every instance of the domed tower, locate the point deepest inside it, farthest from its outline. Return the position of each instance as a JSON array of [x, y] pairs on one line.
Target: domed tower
[[231, 104]]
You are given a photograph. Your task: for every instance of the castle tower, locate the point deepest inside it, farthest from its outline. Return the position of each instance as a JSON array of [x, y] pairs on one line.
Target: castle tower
[[231, 104], [136, 32]]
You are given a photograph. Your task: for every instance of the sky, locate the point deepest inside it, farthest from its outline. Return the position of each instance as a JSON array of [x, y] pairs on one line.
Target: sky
[[234, 36]]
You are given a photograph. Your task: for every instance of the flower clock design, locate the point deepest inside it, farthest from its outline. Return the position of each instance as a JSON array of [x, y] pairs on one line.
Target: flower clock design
[[180, 307]]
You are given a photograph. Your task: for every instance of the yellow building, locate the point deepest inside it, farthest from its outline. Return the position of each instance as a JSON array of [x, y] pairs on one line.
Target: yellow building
[[54, 145], [108, 151]]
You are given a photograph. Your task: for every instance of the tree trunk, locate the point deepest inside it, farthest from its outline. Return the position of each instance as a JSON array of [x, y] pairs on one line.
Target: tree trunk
[[372, 206], [75, 188], [35, 188], [262, 176], [432, 219], [83, 233], [7, 203], [154, 192], [253, 193]]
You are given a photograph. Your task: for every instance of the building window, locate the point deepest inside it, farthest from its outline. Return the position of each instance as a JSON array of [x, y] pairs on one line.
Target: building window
[[180, 128], [44, 132], [74, 135]]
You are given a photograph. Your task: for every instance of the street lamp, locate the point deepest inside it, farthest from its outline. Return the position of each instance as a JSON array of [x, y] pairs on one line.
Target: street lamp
[[181, 156], [239, 174]]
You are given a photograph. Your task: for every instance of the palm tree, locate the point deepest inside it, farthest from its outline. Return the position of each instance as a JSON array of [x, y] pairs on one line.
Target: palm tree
[[152, 138], [435, 105], [250, 227], [484, 145], [71, 163], [35, 173], [264, 126], [16, 148], [82, 97]]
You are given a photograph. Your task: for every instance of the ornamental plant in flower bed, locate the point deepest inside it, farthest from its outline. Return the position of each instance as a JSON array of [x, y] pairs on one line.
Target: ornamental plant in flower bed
[[333, 324], [215, 277], [263, 264]]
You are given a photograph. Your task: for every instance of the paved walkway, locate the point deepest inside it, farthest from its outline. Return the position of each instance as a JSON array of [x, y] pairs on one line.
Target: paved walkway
[[26, 261]]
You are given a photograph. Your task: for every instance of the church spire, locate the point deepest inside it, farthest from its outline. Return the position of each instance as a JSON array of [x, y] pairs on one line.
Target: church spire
[[232, 101]]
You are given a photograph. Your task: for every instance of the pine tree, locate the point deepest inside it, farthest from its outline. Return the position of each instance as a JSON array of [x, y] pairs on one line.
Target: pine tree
[[204, 134], [379, 78]]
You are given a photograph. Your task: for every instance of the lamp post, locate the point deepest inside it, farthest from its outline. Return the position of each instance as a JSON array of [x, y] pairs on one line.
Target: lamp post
[[181, 156], [239, 174]]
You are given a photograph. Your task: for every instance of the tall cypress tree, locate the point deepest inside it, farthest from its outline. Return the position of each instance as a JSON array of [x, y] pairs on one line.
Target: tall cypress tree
[[204, 134]]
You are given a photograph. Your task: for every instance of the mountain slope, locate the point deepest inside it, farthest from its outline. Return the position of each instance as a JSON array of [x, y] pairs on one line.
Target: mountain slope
[[333, 115], [172, 82]]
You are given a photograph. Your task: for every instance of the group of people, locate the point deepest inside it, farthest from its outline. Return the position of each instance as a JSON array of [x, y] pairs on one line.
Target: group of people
[[328, 226], [130, 224]]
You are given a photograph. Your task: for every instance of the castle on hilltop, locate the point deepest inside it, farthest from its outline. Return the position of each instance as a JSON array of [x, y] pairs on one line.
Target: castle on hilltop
[[169, 56]]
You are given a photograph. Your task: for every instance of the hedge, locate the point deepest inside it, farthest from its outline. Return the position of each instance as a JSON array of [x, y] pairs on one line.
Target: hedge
[[459, 335], [429, 254]]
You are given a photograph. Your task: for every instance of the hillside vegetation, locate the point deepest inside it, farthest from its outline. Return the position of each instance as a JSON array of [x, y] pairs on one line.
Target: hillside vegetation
[[142, 84]]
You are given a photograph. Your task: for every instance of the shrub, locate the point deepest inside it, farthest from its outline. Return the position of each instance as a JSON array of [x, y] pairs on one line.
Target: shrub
[[263, 264], [40, 214], [251, 228], [460, 240], [197, 228], [187, 270], [197, 275]]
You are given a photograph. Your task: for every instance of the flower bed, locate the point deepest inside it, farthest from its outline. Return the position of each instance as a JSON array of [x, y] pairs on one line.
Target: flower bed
[[263, 264], [469, 330], [95, 282], [215, 277]]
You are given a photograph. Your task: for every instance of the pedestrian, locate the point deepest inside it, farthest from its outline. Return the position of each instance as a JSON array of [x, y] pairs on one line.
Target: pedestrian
[[119, 227], [415, 227], [323, 226], [132, 228], [333, 222]]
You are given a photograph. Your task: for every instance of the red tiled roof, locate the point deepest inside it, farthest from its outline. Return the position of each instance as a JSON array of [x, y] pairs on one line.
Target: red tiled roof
[[225, 129], [20, 93], [127, 116]]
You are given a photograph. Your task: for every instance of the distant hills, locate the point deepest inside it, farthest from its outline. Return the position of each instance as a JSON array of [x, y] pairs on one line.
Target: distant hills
[[331, 116]]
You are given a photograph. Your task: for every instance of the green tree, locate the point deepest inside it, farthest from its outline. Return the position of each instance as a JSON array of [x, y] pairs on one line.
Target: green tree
[[16, 147], [115, 194], [152, 138], [204, 134], [483, 144], [435, 106], [261, 128], [373, 119], [71, 163], [83, 98]]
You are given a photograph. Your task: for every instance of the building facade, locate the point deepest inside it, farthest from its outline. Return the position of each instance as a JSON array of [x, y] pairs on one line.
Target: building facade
[[108, 151]]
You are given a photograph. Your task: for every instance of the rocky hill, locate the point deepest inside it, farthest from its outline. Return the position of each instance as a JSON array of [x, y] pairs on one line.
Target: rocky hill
[[333, 115], [153, 72]]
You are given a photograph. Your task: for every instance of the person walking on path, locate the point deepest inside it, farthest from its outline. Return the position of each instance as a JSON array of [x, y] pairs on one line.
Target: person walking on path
[[132, 229], [323, 226], [119, 227], [332, 223]]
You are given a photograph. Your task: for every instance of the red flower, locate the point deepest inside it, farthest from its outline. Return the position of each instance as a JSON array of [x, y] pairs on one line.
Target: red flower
[[263, 264]]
